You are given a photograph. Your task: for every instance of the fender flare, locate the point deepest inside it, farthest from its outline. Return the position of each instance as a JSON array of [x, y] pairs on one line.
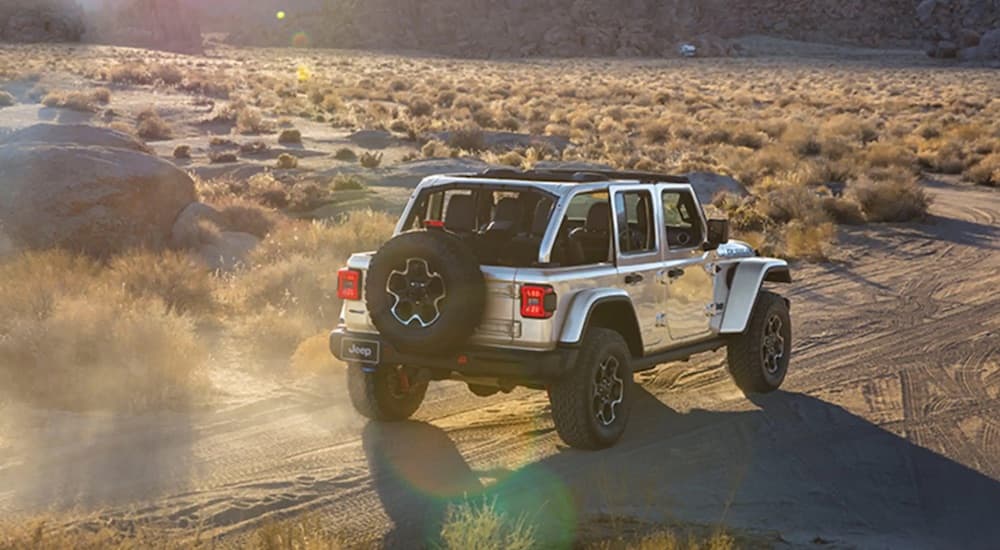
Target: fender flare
[[584, 304], [748, 277]]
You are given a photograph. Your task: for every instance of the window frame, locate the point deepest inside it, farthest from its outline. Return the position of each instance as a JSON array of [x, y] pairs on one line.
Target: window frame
[[700, 219], [645, 256]]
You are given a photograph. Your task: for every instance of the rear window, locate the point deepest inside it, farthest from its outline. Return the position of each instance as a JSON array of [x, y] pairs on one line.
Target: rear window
[[504, 226]]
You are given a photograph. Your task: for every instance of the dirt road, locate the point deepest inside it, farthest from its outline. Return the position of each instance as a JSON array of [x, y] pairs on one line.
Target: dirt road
[[887, 433]]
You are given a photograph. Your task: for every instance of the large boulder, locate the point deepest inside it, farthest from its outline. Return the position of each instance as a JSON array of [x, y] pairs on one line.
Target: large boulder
[[76, 134], [90, 198]]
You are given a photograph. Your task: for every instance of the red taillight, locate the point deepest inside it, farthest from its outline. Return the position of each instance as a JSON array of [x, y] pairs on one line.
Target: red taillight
[[538, 301], [349, 284]]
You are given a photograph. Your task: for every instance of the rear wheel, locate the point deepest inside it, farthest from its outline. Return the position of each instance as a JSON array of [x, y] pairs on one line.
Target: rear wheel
[[758, 359], [591, 405], [386, 394]]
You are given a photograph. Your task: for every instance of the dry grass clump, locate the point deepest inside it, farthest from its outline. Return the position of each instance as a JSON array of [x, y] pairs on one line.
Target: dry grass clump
[[78, 101], [670, 540], [302, 533], [6, 99], [150, 126], [809, 241], [250, 121], [346, 182], [72, 336], [175, 278], [483, 526], [130, 73], [345, 154], [246, 216], [287, 161], [182, 152], [986, 171], [899, 199], [370, 160], [470, 138], [290, 135]]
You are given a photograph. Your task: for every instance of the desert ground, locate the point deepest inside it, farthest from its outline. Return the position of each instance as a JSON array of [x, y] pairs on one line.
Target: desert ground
[[874, 171]]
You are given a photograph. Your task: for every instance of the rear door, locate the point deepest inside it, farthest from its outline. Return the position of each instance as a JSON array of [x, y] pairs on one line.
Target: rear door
[[686, 272], [637, 251]]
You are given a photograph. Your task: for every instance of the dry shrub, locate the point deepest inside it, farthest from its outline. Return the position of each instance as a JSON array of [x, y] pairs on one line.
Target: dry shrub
[[656, 131], [885, 155], [287, 161], [274, 334], [420, 108], [290, 135], [130, 73], [850, 127], [945, 158], [6, 99], [219, 157], [469, 138], [986, 171], [371, 160], [250, 121], [175, 278], [843, 211], [150, 126], [809, 241], [802, 139], [895, 200], [77, 101], [670, 540], [246, 216], [482, 525], [72, 337], [791, 202], [346, 182], [170, 75], [345, 154], [182, 152]]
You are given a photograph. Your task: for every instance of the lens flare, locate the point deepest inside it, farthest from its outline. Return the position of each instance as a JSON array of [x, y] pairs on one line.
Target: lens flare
[[304, 73], [300, 40], [280, 15]]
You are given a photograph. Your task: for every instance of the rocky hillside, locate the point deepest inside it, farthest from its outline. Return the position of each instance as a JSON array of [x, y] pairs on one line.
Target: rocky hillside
[[558, 27], [961, 28], [156, 24]]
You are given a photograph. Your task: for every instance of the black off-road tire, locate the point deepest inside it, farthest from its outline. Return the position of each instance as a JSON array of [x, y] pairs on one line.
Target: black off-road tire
[[574, 410], [747, 357], [376, 395], [460, 310]]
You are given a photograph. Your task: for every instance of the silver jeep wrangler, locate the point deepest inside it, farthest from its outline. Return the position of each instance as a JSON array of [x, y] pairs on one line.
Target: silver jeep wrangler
[[565, 281]]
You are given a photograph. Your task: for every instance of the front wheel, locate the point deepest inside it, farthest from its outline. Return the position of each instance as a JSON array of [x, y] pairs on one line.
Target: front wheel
[[591, 404], [388, 394], [758, 358]]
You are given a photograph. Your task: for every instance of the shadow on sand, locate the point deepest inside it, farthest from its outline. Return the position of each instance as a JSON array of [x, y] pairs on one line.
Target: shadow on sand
[[799, 466]]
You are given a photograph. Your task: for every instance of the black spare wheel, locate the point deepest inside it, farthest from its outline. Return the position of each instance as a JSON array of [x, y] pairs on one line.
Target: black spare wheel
[[425, 291]]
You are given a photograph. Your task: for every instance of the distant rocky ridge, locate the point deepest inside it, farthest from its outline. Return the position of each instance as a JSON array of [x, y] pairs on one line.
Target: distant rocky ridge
[[490, 28], [967, 29]]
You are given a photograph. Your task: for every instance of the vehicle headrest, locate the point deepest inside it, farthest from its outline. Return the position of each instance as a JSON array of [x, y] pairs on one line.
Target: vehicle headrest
[[599, 217], [541, 220], [461, 214], [508, 210]]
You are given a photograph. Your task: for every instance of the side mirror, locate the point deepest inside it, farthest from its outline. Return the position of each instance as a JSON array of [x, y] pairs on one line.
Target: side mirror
[[718, 233]]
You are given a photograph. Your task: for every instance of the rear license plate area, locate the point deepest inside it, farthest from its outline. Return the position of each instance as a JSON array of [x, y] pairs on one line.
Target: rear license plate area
[[361, 351]]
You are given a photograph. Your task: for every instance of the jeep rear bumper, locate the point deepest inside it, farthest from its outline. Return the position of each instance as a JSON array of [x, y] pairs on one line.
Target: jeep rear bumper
[[519, 366]]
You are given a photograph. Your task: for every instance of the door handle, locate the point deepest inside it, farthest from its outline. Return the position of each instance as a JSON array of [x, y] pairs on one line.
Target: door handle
[[633, 278], [675, 273]]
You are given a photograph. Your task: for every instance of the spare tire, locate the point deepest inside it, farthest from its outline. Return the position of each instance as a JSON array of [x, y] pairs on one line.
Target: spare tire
[[425, 292]]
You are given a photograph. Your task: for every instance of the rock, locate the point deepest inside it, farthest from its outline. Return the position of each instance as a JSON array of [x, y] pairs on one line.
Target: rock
[[228, 250], [946, 50], [706, 185], [968, 38], [76, 134], [989, 44], [925, 10], [196, 225], [94, 199], [41, 21]]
